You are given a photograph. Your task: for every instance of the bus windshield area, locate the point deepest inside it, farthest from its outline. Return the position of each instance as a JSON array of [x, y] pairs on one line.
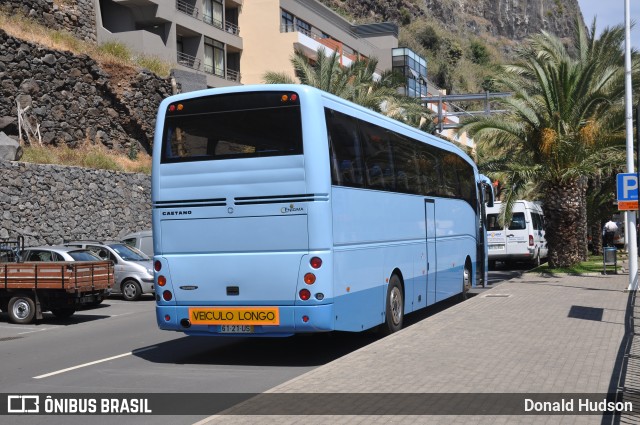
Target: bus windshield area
[[243, 125]]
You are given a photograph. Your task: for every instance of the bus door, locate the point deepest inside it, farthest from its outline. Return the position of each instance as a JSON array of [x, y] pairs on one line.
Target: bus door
[[431, 265]]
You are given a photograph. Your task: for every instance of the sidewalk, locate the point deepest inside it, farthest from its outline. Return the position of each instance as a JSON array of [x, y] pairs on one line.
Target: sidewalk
[[532, 334]]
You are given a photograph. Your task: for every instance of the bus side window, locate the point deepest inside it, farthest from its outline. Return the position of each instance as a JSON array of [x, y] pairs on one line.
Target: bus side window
[[405, 164], [344, 148], [377, 157]]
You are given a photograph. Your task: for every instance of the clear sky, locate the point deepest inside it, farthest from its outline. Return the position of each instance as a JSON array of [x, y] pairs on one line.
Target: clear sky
[[611, 12]]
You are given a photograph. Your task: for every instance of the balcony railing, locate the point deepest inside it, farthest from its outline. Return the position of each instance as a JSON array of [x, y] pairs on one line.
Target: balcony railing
[[208, 19], [233, 75], [187, 8], [188, 60], [231, 28], [191, 10]]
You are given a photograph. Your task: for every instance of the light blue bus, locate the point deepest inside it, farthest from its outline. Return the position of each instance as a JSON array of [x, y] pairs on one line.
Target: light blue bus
[[282, 209]]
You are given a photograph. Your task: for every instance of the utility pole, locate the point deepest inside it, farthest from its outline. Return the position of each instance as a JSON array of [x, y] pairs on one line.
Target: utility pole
[[630, 219]]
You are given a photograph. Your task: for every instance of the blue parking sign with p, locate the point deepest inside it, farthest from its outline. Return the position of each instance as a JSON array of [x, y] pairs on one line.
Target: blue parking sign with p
[[627, 187]]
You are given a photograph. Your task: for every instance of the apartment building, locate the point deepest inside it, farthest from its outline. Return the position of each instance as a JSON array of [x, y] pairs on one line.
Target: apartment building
[[273, 29], [200, 38], [217, 43]]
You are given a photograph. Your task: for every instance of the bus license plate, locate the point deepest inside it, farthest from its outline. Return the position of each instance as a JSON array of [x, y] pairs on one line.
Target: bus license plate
[[236, 329]]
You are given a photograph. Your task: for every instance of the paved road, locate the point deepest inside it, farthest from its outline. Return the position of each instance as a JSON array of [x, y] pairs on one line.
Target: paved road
[[118, 348]]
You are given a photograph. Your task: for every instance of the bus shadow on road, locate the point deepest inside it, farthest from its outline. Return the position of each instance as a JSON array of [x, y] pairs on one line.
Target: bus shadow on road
[[298, 350]]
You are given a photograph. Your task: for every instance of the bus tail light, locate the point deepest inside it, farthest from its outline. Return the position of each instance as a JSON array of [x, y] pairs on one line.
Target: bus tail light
[[304, 294], [157, 265], [309, 278], [316, 262], [167, 295], [162, 280], [530, 240]]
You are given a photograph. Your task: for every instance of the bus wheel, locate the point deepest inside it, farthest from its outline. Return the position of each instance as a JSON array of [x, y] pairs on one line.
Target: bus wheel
[[395, 306], [466, 282], [21, 309]]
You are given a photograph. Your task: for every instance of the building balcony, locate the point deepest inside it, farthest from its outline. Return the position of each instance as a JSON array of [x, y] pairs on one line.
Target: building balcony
[[187, 8], [191, 10], [311, 41], [188, 61]]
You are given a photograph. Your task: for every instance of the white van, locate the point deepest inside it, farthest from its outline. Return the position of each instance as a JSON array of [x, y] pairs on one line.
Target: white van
[[142, 240], [522, 240]]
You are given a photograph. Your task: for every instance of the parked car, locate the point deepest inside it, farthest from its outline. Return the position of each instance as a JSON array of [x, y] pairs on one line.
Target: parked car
[[132, 268], [57, 253], [143, 240]]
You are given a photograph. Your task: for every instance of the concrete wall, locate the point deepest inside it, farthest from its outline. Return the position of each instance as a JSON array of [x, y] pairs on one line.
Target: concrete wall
[[49, 203]]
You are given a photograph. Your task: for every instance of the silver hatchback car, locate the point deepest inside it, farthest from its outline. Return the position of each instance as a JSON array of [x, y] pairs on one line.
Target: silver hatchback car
[[133, 270]]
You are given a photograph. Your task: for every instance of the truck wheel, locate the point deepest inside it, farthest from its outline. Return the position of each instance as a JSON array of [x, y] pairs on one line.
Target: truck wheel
[[63, 313], [21, 309], [395, 306], [131, 290]]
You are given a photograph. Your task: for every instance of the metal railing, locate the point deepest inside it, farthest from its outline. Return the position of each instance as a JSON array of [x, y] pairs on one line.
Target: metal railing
[[210, 69], [188, 60], [231, 28], [187, 8], [233, 75], [208, 19]]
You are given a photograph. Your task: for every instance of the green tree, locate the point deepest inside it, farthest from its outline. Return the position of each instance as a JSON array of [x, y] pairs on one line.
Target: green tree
[[563, 125], [357, 83], [479, 53]]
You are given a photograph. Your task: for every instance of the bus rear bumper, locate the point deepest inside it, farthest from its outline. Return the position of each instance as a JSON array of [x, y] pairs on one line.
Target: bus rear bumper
[[319, 318]]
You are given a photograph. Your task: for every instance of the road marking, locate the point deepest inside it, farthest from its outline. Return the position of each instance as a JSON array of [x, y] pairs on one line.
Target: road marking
[[57, 372], [35, 330]]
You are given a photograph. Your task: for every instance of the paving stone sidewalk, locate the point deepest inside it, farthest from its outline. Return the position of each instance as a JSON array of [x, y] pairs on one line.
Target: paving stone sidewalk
[[532, 334]]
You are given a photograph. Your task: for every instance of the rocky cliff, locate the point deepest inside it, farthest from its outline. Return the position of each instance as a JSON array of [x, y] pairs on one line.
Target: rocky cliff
[[511, 19]]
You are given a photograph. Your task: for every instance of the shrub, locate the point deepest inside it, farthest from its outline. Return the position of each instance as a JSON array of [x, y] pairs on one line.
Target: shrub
[[116, 50]]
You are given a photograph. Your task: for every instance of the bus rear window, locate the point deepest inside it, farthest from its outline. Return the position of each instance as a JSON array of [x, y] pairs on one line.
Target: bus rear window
[[239, 125]]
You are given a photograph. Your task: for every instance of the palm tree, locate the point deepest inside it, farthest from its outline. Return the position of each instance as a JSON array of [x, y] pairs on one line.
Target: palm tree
[[564, 124], [357, 83]]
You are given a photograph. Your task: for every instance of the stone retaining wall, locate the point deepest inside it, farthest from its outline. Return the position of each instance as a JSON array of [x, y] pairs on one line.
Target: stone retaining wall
[[75, 16], [73, 100], [49, 203]]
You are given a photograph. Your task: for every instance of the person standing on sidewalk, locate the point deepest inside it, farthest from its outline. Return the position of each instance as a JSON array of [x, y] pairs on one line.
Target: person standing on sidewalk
[[610, 228]]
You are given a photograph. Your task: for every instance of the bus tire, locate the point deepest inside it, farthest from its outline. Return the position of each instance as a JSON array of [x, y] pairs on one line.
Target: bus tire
[[131, 290], [466, 281], [394, 313], [64, 312], [21, 309]]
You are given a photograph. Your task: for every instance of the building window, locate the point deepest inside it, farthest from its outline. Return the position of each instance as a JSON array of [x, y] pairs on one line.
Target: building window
[[303, 27], [286, 22], [212, 12], [213, 57], [414, 68]]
